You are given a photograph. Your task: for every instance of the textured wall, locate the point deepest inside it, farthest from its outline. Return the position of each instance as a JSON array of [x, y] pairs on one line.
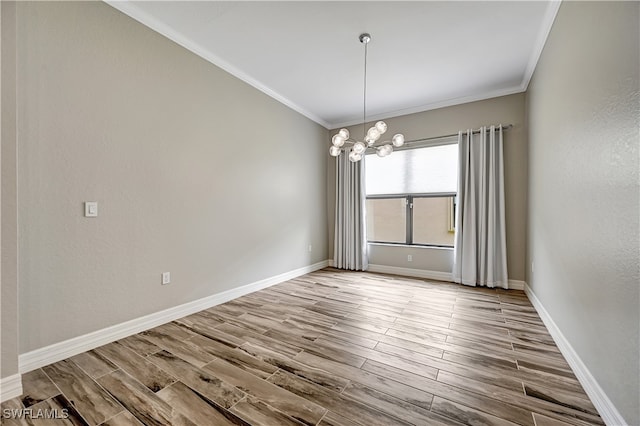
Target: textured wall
[[195, 172], [445, 121], [583, 194], [9, 287]]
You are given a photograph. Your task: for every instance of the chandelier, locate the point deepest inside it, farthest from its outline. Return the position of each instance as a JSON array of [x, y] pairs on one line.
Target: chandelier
[[342, 141]]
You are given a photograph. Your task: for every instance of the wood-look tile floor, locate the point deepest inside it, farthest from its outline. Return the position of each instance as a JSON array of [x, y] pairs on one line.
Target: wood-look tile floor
[[328, 348]]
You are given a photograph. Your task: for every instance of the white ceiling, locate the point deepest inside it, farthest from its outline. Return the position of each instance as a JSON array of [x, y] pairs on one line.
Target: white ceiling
[[306, 54]]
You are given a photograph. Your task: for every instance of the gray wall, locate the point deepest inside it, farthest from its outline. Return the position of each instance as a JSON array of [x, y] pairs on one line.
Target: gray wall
[[8, 267], [195, 172], [583, 190], [444, 121]]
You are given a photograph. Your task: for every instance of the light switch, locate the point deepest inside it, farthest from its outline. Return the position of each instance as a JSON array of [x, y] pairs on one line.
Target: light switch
[[91, 209]]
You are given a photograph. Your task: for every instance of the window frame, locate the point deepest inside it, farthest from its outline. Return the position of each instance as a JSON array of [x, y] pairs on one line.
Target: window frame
[[420, 144], [409, 197]]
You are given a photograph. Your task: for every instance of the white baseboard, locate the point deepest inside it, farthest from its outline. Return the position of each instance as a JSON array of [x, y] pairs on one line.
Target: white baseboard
[[601, 401], [10, 387], [408, 272], [58, 351], [431, 275], [516, 284]]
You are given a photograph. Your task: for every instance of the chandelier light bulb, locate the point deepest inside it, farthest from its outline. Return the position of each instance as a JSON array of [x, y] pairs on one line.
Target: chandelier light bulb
[[398, 140], [374, 133], [344, 133], [381, 126], [354, 156], [369, 140], [384, 150], [334, 151], [337, 140], [359, 147]]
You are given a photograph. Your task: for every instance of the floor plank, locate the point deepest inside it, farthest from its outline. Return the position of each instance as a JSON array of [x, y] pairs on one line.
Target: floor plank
[[198, 408], [403, 391], [133, 364], [346, 407], [199, 380], [37, 387], [83, 392], [59, 411], [123, 419], [239, 357], [145, 405], [298, 408], [321, 377], [467, 415], [257, 412], [94, 364]]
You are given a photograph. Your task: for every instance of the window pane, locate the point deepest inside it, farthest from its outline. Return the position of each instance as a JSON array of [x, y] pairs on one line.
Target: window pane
[[419, 171], [386, 220], [433, 220]]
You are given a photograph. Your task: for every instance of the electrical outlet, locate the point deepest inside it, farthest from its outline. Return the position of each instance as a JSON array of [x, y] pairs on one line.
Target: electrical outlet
[[409, 258], [532, 267], [309, 248], [166, 278]]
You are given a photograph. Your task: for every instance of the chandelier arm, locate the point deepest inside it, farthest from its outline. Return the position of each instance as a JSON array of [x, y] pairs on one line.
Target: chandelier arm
[[378, 144]]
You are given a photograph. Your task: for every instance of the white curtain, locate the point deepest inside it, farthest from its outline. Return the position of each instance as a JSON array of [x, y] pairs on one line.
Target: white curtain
[[350, 242], [480, 249]]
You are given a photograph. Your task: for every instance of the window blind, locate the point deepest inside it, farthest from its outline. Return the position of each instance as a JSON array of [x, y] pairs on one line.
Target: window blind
[[431, 169]]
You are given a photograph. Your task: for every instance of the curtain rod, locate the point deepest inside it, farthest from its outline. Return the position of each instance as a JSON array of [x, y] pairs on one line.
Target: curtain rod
[[505, 127]]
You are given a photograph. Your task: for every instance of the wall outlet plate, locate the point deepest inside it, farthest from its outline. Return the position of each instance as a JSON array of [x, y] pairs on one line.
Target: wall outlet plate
[[90, 209], [166, 278]]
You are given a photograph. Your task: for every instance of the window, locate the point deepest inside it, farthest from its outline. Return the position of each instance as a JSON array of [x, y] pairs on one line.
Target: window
[[386, 220], [411, 196]]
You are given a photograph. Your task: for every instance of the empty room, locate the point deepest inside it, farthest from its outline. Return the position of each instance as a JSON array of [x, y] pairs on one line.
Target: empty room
[[326, 213]]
